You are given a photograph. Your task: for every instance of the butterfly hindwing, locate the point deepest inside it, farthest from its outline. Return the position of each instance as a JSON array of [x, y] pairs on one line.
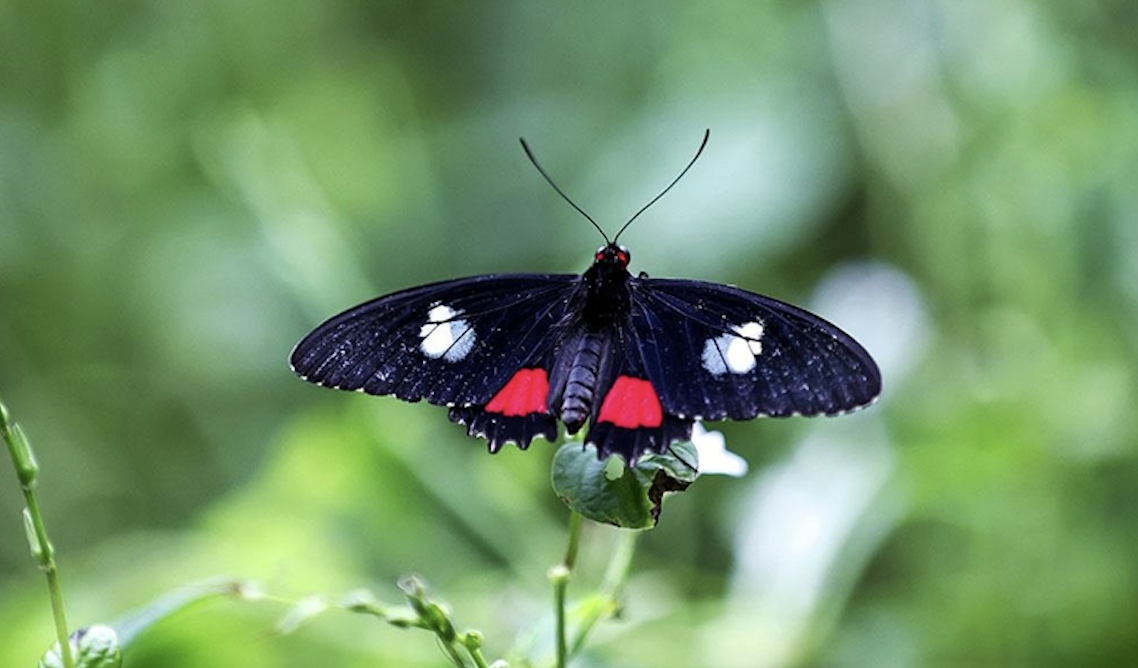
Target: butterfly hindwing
[[519, 411], [453, 343], [716, 351], [629, 418]]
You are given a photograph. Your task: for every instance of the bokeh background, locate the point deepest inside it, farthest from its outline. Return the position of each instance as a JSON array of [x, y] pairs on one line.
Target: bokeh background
[[187, 187]]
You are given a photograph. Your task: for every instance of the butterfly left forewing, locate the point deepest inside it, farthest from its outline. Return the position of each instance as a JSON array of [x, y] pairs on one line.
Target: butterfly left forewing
[[452, 343]]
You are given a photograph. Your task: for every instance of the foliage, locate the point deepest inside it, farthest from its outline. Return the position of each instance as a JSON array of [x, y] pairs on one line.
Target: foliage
[[187, 187], [607, 491]]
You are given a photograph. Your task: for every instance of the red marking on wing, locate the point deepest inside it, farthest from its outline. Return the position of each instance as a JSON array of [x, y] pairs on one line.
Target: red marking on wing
[[631, 403], [524, 394]]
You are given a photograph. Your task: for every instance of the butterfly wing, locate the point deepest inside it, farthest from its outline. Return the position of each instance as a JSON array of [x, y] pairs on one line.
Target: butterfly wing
[[485, 346], [453, 343], [716, 351], [629, 418]]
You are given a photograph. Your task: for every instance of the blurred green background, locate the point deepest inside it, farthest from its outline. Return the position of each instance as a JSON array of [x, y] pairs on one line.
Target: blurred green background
[[187, 187]]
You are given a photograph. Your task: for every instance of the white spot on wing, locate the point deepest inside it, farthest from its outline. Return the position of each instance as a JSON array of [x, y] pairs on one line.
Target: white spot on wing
[[446, 335], [734, 353]]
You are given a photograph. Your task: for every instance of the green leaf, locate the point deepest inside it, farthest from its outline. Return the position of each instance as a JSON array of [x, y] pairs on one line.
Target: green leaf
[[93, 647], [139, 621], [301, 612], [612, 493]]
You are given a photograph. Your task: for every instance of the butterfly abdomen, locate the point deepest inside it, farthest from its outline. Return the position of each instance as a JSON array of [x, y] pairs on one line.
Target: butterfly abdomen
[[574, 400]]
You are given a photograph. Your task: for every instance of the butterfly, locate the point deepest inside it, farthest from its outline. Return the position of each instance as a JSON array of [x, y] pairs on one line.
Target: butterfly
[[633, 360]]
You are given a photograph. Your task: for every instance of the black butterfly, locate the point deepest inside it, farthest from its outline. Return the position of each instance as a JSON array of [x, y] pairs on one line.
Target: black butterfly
[[638, 359]]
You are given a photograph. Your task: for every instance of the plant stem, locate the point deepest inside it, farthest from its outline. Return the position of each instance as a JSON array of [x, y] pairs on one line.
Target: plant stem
[[616, 575], [560, 576], [27, 470], [54, 583], [559, 588], [479, 660], [574, 540]]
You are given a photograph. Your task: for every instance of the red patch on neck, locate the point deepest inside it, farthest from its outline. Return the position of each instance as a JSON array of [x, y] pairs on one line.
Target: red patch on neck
[[524, 394], [631, 403]]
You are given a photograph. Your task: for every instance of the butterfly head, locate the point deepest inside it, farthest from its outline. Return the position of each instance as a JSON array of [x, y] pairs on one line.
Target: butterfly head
[[613, 255]]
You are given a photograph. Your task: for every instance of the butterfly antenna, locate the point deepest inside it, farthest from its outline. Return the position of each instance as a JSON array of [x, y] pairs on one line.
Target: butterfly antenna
[[549, 180], [706, 136]]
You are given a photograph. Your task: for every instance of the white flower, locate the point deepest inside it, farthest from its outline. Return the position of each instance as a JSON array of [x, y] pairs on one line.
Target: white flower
[[714, 457]]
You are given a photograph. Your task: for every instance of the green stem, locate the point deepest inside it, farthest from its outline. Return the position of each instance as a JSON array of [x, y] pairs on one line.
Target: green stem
[[26, 471], [621, 565], [560, 576], [616, 576], [574, 540], [559, 587], [479, 659], [54, 583]]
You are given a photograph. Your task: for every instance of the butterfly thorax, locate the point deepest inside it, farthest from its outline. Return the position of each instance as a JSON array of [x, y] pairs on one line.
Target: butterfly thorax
[[605, 299], [581, 371]]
